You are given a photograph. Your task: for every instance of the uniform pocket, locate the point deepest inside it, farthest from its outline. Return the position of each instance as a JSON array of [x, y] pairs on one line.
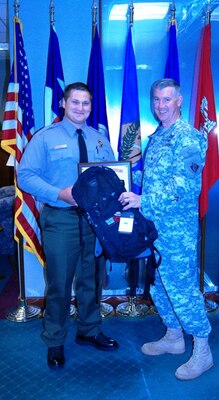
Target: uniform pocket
[[101, 154], [60, 153]]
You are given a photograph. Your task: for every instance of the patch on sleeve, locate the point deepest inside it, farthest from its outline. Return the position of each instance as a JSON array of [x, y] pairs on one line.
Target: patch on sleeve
[[192, 159], [194, 167]]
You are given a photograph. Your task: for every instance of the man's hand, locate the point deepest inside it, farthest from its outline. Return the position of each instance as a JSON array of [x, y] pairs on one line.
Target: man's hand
[[66, 195], [129, 200]]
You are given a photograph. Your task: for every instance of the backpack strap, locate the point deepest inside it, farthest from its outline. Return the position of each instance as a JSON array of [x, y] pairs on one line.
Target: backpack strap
[[151, 266], [133, 276], [159, 257]]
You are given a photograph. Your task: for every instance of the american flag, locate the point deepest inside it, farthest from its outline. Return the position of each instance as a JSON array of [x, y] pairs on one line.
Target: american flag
[[17, 130], [54, 81]]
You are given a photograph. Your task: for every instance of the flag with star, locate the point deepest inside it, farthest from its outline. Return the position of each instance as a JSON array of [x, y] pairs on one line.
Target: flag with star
[[54, 81]]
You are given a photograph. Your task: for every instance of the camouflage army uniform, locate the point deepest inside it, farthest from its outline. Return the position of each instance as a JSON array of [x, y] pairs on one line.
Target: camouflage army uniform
[[173, 164]]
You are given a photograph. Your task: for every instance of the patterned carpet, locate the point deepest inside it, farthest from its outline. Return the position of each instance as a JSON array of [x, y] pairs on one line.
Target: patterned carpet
[[90, 374]]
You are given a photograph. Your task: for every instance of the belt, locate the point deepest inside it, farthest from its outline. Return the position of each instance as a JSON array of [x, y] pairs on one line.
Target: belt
[[61, 208]]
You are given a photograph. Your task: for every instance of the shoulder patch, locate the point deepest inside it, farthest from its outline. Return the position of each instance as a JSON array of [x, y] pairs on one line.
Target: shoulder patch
[[192, 159], [194, 167]]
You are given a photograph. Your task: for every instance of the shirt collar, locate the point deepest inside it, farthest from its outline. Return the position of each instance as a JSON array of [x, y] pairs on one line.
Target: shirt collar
[[71, 128]]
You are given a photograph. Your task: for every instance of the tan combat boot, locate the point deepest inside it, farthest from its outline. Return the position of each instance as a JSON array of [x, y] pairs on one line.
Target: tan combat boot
[[200, 361], [172, 342]]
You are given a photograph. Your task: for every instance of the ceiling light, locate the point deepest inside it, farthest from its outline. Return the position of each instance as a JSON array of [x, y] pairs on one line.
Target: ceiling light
[[3, 46], [142, 11]]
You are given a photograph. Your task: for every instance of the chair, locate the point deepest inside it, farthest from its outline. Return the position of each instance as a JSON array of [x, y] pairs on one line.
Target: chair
[[7, 242]]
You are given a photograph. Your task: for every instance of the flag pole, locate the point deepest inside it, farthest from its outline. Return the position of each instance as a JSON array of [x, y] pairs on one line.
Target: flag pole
[[173, 11], [52, 12], [100, 22], [52, 24], [16, 8], [132, 308], [202, 257], [131, 14], [94, 18], [23, 312], [210, 305], [207, 19], [106, 309]]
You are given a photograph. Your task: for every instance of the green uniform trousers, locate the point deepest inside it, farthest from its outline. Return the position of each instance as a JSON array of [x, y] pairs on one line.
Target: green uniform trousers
[[69, 252]]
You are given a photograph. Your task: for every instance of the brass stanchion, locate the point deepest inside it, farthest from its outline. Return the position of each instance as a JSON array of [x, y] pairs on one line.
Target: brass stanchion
[[106, 310], [132, 308], [209, 304], [24, 312]]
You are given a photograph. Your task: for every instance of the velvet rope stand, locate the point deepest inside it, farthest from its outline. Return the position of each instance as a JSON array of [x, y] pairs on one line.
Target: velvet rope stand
[[23, 312], [209, 304]]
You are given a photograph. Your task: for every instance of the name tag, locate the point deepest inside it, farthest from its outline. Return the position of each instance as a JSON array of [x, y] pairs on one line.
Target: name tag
[[60, 146], [126, 223]]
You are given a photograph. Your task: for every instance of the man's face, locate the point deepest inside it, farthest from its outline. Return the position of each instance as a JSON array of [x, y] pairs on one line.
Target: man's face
[[167, 105], [77, 107]]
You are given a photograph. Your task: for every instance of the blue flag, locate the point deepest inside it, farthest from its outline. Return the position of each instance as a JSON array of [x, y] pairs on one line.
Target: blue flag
[[172, 64], [54, 81], [129, 144], [95, 81]]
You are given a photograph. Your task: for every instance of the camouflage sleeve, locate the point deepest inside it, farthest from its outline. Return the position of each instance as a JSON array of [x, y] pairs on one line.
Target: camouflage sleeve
[[137, 178], [182, 181]]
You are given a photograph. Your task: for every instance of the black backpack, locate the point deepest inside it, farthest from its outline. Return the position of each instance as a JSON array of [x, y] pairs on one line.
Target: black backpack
[[96, 192]]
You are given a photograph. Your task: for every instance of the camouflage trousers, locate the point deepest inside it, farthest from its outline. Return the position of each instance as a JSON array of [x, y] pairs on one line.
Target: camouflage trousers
[[176, 293]]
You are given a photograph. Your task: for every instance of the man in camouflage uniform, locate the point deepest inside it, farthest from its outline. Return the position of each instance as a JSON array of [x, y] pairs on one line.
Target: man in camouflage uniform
[[171, 183]]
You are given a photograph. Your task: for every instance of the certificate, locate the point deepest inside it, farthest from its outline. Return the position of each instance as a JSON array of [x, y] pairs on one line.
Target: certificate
[[121, 168]]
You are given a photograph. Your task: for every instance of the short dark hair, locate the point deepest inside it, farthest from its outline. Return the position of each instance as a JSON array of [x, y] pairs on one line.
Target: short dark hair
[[76, 86]]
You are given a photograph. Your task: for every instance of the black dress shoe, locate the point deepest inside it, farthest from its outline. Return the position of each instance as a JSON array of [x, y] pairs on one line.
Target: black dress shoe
[[55, 357], [100, 342]]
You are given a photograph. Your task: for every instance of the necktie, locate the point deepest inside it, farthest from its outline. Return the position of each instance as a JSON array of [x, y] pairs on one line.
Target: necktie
[[82, 147]]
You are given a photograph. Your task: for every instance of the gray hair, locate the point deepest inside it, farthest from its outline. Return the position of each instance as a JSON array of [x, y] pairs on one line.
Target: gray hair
[[166, 82], [162, 84]]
